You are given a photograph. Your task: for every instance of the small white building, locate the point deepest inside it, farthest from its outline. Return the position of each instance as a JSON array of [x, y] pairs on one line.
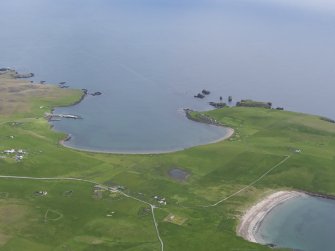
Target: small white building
[[10, 151]]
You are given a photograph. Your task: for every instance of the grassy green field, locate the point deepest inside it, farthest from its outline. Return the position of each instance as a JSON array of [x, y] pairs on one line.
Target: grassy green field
[[72, 216]]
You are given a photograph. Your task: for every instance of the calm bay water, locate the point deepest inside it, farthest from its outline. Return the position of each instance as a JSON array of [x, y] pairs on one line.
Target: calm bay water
[[305, 223], [149, 57]]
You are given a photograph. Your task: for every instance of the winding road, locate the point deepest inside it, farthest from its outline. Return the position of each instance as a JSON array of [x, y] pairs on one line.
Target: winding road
[[153, 207]]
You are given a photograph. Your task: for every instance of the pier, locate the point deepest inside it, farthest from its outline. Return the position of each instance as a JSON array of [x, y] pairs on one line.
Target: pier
[[55, 117]]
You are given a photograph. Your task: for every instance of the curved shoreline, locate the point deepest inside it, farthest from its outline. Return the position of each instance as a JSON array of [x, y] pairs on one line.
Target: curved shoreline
[[254, 216], [62, 142], [229, 134]]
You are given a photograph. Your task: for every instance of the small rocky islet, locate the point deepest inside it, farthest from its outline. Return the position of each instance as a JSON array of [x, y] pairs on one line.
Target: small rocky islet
[[242, 103]]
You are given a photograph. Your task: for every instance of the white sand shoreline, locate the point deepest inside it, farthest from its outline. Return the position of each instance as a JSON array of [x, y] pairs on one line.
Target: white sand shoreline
[[229, 134], [254, 216]]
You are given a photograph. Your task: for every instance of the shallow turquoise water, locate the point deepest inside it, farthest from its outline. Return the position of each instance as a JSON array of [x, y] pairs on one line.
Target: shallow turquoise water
[[306, 223]]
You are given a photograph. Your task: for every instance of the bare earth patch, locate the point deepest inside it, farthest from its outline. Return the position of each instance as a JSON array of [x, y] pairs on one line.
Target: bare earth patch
[[16, 94], [12, 219], [175, 219], [89, 240], [4, 238], [11, 213]]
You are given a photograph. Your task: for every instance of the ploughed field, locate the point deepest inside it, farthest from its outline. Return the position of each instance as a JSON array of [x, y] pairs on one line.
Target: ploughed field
[[78, 215]]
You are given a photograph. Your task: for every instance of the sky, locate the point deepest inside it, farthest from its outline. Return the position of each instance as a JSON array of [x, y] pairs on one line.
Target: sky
[[317, 5]]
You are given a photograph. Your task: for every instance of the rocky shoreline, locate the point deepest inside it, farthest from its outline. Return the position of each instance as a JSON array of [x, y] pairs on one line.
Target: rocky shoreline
[[15, 74], [202, 118], [320, 195]]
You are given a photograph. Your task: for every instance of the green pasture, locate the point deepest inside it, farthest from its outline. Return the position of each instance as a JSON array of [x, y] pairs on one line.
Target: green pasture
[[73, 217]]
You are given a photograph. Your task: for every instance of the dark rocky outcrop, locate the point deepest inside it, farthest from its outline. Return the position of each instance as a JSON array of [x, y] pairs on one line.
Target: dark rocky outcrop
[[327, 119], [199, 95], [202, 118], [24, 75], [4, 69], [320, 195], [205, 92], [96, 93], [217, 104], [68, 138], [280, 108], [252, 103]]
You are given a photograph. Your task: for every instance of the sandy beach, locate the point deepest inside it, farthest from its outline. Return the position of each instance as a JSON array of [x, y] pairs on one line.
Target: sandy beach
[[252, 219], [229, 134]]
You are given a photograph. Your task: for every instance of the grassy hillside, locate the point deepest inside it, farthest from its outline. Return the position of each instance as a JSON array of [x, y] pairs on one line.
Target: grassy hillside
[[72, 216]]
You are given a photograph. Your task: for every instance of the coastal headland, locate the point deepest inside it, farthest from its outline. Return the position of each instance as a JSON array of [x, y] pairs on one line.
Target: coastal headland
[[57, 198]]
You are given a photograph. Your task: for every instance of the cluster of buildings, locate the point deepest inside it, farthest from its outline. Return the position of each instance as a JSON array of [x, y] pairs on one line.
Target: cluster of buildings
[[116, 188], [41, 193], [160, 200], [19, 154]]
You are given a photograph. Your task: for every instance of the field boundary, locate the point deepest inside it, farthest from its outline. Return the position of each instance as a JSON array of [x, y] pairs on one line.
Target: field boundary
[[153, 207], [60, 215], [251, 184]]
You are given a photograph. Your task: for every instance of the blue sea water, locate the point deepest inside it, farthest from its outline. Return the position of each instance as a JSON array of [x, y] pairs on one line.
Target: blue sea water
[[304, 223], [149, 57]]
